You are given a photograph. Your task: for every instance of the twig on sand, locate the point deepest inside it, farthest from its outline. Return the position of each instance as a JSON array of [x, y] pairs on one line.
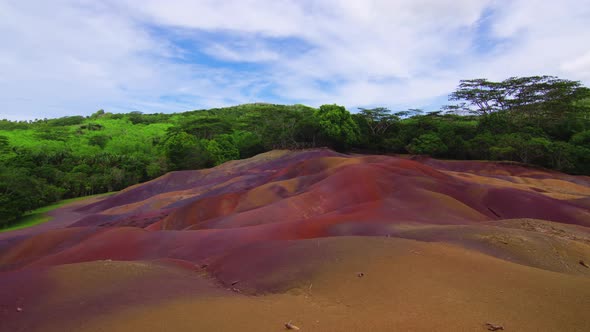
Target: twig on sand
[[494, 327], [290, 326]]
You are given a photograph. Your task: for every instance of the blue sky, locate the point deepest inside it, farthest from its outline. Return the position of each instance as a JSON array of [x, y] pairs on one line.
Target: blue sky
[[63, 57]]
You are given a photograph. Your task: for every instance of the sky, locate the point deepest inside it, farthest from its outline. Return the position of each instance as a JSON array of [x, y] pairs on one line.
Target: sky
[[61, 57]]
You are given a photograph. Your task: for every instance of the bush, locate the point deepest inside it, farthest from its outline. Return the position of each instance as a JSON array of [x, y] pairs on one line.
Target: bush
[[429, 144]]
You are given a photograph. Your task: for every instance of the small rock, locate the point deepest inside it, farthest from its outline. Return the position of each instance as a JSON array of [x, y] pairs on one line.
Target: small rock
[[584, 264], [290, 326], [19, 309], [360, 274], [494, 327]]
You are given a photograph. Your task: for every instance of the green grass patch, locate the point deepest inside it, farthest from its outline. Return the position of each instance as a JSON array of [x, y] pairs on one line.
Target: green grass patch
[[39, 215]]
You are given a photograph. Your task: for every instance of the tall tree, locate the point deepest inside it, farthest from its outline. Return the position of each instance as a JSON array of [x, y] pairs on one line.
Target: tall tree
[[378, 119], [538, 93], [337, 126]]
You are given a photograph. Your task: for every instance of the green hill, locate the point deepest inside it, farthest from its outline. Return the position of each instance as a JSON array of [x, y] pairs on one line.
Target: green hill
[[537, 120]]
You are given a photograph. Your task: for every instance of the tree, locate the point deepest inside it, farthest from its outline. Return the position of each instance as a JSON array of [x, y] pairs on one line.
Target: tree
[[378, 119], [4, 145], [523, 94], [562, 156], [429, 144], [222, 149], [21, 192], [53, 134], [479, 96], [374, 125], [496, 123], [581, 139], [136, 117], [480, 145], [97, 114], [247, 143], [337, 126], [521, 147], [99, 140], [205, 126], [184, 151]]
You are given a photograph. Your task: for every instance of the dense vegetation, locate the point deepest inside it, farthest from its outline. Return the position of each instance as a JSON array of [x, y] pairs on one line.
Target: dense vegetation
[[542, 120]]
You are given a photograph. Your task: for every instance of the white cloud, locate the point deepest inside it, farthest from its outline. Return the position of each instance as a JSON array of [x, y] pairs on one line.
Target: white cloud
[[273, 18], [245, 53], [578, 66], [73, 57]]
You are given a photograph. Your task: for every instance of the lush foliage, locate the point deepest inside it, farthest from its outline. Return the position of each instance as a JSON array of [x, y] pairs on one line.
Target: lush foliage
[[537, 120]]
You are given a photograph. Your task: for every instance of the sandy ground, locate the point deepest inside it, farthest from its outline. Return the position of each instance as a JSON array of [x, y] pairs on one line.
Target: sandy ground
[[352, 284]]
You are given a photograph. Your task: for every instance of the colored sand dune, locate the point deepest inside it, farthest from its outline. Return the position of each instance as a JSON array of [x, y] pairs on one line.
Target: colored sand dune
[[326, 241]]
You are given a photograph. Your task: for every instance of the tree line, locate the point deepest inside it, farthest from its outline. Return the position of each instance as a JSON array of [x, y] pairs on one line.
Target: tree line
[[539, 120]]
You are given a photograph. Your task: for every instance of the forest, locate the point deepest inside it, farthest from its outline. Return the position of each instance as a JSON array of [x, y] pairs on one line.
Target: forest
[[539, 120]]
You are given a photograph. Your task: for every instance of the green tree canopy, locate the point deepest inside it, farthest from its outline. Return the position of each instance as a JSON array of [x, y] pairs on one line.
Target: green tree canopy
[[337, 126], [429, 144], [483, 97]]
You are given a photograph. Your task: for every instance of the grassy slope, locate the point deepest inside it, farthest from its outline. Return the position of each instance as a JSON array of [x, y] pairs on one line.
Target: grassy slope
[[39, 215], [124, 138]]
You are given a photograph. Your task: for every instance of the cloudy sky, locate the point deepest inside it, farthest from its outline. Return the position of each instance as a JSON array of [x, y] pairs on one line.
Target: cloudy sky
[[65, 57]]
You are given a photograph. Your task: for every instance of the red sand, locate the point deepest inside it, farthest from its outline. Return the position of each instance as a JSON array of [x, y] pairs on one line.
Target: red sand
[[244, 218]]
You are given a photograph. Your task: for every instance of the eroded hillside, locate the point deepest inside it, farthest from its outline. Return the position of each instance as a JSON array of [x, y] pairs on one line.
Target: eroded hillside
[[327, 241]]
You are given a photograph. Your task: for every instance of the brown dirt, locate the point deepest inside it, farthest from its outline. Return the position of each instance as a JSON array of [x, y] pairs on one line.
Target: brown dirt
[[406, 286]]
